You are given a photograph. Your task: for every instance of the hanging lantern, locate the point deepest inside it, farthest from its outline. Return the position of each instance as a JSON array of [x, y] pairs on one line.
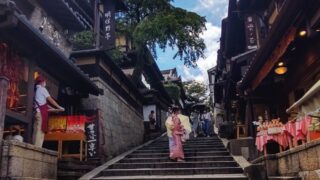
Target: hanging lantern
[[302, 33], [281, 68]]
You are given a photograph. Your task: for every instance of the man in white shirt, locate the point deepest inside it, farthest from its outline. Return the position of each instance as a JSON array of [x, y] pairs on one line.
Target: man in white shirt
[[42, 96]]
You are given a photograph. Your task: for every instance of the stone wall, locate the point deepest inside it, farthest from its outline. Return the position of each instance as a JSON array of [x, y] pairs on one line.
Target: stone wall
[[243, 147], [163, 119], [303, 161], [25, 161], [121, 126]]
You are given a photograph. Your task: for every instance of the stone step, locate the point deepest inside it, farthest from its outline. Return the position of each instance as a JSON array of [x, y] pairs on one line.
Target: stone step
[[171, 171], [284, 178], [166, 159], [206, 158], [192, 139], [69, 174], [175, 177], [188, 164], [184, 147], [184, 150], [74, 167], [207, 153], [188, 146], [193, 142]]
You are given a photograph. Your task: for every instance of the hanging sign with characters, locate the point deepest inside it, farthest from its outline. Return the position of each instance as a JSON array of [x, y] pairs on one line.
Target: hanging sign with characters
[[109, 30], [91, 128], [251, 32]]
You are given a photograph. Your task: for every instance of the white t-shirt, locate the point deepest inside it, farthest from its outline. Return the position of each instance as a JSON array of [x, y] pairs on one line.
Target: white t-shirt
[[41, 96], [207, 116]]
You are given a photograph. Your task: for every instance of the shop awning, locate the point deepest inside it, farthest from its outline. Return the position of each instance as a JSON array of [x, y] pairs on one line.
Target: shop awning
[[33, 44], [312, 91]]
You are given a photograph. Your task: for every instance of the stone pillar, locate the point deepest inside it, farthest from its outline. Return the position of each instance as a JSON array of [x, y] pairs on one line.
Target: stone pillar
[[4, 82]]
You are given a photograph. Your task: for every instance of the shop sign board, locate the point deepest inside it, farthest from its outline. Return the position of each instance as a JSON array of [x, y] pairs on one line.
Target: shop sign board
[[108, 23], [251, 32], [92, 138]]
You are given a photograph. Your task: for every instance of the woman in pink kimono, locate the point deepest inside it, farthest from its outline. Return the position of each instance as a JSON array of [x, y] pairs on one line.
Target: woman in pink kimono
[[175, 133]]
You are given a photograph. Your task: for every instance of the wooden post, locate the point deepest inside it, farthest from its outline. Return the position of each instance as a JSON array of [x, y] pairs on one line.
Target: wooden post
[[81, 150], [290, 140], [97, 23], [4, 82], [280, 148], [265, 150]]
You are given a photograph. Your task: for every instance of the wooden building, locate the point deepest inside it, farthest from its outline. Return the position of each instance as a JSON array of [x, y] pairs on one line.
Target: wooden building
[[285, 66], [253, 33], [31, 45], [36, 37], [25, 60], [268, 66]]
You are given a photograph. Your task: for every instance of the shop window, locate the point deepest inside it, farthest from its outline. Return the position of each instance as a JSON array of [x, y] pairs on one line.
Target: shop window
[[17, 70]]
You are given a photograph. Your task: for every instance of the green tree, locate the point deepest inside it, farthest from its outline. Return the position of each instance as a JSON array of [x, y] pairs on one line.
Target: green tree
[[156, 23], [196, 91], [83, 40], [173, 91]]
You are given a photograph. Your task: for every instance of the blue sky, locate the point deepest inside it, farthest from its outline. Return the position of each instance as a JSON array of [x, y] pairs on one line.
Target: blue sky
[[214, 11]]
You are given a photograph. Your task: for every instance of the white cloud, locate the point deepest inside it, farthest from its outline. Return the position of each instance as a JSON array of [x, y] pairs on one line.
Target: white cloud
[[216, 9], [211, 37], [211, 4]]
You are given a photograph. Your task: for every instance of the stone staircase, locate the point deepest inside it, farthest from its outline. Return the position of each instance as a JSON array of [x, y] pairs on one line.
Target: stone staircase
[[206, 158], [71, 169]]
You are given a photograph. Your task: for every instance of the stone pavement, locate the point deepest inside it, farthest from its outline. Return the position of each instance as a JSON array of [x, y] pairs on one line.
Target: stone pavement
[[206, 158]]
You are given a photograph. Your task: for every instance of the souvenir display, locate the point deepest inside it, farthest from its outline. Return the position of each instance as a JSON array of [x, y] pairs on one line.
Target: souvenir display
[[314, 129], [294, 130], [11, 66], [57, 123], [76, 123], [272, 127], [67, 123]]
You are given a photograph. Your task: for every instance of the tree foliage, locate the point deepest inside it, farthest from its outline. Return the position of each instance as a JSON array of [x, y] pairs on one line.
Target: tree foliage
[[83, 40], [196, 91], [152, 23], [173, 91]]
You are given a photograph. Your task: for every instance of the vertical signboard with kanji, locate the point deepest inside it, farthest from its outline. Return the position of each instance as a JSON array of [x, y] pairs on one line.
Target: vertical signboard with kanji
[[108, 23], [91, 129], [251, 32]]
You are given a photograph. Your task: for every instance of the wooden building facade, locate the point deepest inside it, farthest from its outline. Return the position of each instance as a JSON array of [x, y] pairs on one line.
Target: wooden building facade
[[257, 38]]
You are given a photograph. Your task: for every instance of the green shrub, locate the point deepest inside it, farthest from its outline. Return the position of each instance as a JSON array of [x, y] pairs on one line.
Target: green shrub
[[173, 90], [83, 40]]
